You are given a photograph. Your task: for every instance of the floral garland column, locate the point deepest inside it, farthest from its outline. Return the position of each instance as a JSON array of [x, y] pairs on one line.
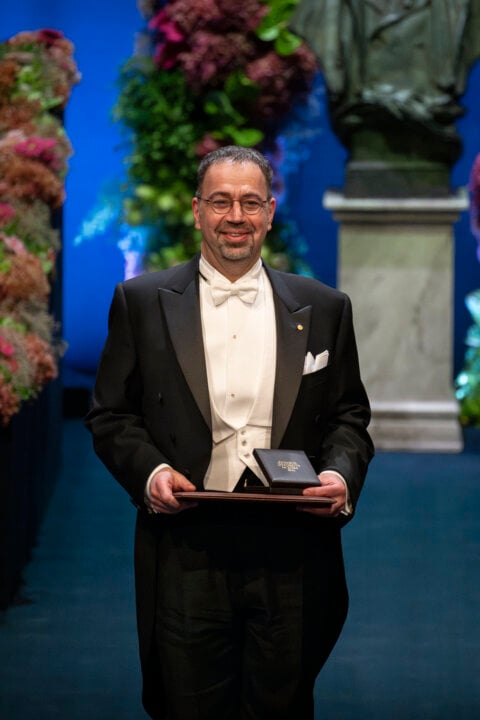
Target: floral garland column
[[37, 72]]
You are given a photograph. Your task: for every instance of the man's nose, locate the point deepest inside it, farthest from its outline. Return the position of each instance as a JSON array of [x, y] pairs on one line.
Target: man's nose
[[236, 213]]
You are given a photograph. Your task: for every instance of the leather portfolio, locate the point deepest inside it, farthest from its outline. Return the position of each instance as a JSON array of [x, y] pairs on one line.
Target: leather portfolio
[[287, 472]]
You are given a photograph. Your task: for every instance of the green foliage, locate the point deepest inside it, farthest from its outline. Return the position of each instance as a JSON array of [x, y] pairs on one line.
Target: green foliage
[[468, 381], [160, 112], [273, 27], [172, 121]]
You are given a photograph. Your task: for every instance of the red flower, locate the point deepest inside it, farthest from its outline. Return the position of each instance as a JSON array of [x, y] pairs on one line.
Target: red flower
[[49, 36], [46, 36]]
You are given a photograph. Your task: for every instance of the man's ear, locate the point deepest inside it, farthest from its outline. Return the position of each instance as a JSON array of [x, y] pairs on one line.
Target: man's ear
[[271, 211], [195, 211]]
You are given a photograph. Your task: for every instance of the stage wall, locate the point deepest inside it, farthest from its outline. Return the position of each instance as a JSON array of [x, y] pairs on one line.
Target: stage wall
[[103, 34]]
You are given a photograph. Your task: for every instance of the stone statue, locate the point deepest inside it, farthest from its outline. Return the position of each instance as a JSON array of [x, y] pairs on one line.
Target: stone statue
[[395, 70]]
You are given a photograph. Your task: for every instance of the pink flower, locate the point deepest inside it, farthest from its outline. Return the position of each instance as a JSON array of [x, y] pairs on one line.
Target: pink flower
[[475, 198], [219, 16], [212, 57], [166, 51], [14, 244], [281, 79], [11, 139], [192, 15], [244, 16], [6, 349], [6, 213], [475, 178], [162, 23], [41, 149]]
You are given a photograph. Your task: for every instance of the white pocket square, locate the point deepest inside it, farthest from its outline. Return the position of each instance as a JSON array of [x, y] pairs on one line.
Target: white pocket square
[[312, 364]]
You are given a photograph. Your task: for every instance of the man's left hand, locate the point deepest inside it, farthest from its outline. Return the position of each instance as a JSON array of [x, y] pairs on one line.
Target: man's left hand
[[333, 487]]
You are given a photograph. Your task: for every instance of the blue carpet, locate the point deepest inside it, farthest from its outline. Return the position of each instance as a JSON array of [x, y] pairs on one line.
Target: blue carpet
[[70, 651], [410, 649]]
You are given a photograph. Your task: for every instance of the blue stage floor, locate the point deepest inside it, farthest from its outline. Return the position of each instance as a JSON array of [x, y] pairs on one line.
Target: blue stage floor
[[410, 649]]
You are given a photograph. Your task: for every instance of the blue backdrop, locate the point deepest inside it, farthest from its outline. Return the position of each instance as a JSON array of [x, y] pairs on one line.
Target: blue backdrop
[[104, 34]]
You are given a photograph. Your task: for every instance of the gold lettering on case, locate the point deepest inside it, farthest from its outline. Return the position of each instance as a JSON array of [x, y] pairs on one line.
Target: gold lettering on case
[[289, 465]]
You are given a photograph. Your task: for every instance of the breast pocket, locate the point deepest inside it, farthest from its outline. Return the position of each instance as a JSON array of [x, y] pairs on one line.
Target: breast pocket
[[316, 378]]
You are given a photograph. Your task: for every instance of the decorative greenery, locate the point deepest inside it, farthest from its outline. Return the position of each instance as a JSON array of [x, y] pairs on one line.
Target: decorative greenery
[[37, 73], [206, 73], [468, 381]]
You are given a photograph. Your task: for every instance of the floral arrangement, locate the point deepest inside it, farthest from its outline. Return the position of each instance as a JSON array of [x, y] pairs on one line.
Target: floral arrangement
[[208, 73], [474, 186], [37, 72], [468, 381]]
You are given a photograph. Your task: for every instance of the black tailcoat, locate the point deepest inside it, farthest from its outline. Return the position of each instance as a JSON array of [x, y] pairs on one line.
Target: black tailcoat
[[151, 403]]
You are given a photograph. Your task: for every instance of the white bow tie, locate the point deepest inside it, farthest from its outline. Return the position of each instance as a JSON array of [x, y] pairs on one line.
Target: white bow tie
[[245, 288]]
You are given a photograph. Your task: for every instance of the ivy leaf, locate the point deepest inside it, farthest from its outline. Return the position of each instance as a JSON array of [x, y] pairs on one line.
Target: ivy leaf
[[218, 103], [240, 88], [268, 34], [248, 137], [274, 27], [287, 42], [277, 18]]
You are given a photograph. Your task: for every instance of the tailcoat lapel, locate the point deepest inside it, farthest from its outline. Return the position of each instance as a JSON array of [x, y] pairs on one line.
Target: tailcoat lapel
[[181, 306], [293, 327]]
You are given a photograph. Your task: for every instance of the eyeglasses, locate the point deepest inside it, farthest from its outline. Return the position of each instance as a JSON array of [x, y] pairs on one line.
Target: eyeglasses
[[222, 206]]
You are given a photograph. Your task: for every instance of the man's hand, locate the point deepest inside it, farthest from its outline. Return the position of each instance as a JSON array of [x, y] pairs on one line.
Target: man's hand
[[333, 487], [162, 486]]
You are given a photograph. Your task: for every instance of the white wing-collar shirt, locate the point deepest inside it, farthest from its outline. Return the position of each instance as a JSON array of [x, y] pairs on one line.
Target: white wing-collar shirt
[[240, 352]]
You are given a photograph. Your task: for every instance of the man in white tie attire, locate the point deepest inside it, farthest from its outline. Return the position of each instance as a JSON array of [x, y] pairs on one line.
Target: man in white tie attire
[[238, 604]]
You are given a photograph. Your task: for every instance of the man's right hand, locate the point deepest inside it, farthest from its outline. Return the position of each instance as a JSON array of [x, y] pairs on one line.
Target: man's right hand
[[162, 486]]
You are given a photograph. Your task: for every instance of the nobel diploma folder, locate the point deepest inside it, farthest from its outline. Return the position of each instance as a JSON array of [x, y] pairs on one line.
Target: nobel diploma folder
[[287, 472]]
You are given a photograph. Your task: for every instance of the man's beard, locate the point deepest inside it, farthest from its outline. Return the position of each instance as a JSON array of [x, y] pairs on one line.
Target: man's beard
[[233, 251], [241, 252]]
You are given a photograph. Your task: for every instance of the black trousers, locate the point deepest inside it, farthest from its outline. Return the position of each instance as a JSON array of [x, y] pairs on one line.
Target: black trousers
[[248, 610]]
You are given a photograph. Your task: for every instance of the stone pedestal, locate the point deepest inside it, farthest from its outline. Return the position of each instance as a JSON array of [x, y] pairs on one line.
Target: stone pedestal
[[396, 264]]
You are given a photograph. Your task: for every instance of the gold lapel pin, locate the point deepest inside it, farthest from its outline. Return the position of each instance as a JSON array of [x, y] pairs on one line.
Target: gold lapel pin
[[299, 327]]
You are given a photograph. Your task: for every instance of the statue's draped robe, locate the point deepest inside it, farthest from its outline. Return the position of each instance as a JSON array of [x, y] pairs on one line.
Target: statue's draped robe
[[412, 58]]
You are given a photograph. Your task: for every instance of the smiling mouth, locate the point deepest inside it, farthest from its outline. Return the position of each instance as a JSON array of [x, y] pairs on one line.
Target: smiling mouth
[[235, 236]]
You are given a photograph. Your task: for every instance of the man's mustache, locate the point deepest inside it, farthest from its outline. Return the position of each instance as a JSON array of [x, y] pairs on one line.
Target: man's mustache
[[235, 226]]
